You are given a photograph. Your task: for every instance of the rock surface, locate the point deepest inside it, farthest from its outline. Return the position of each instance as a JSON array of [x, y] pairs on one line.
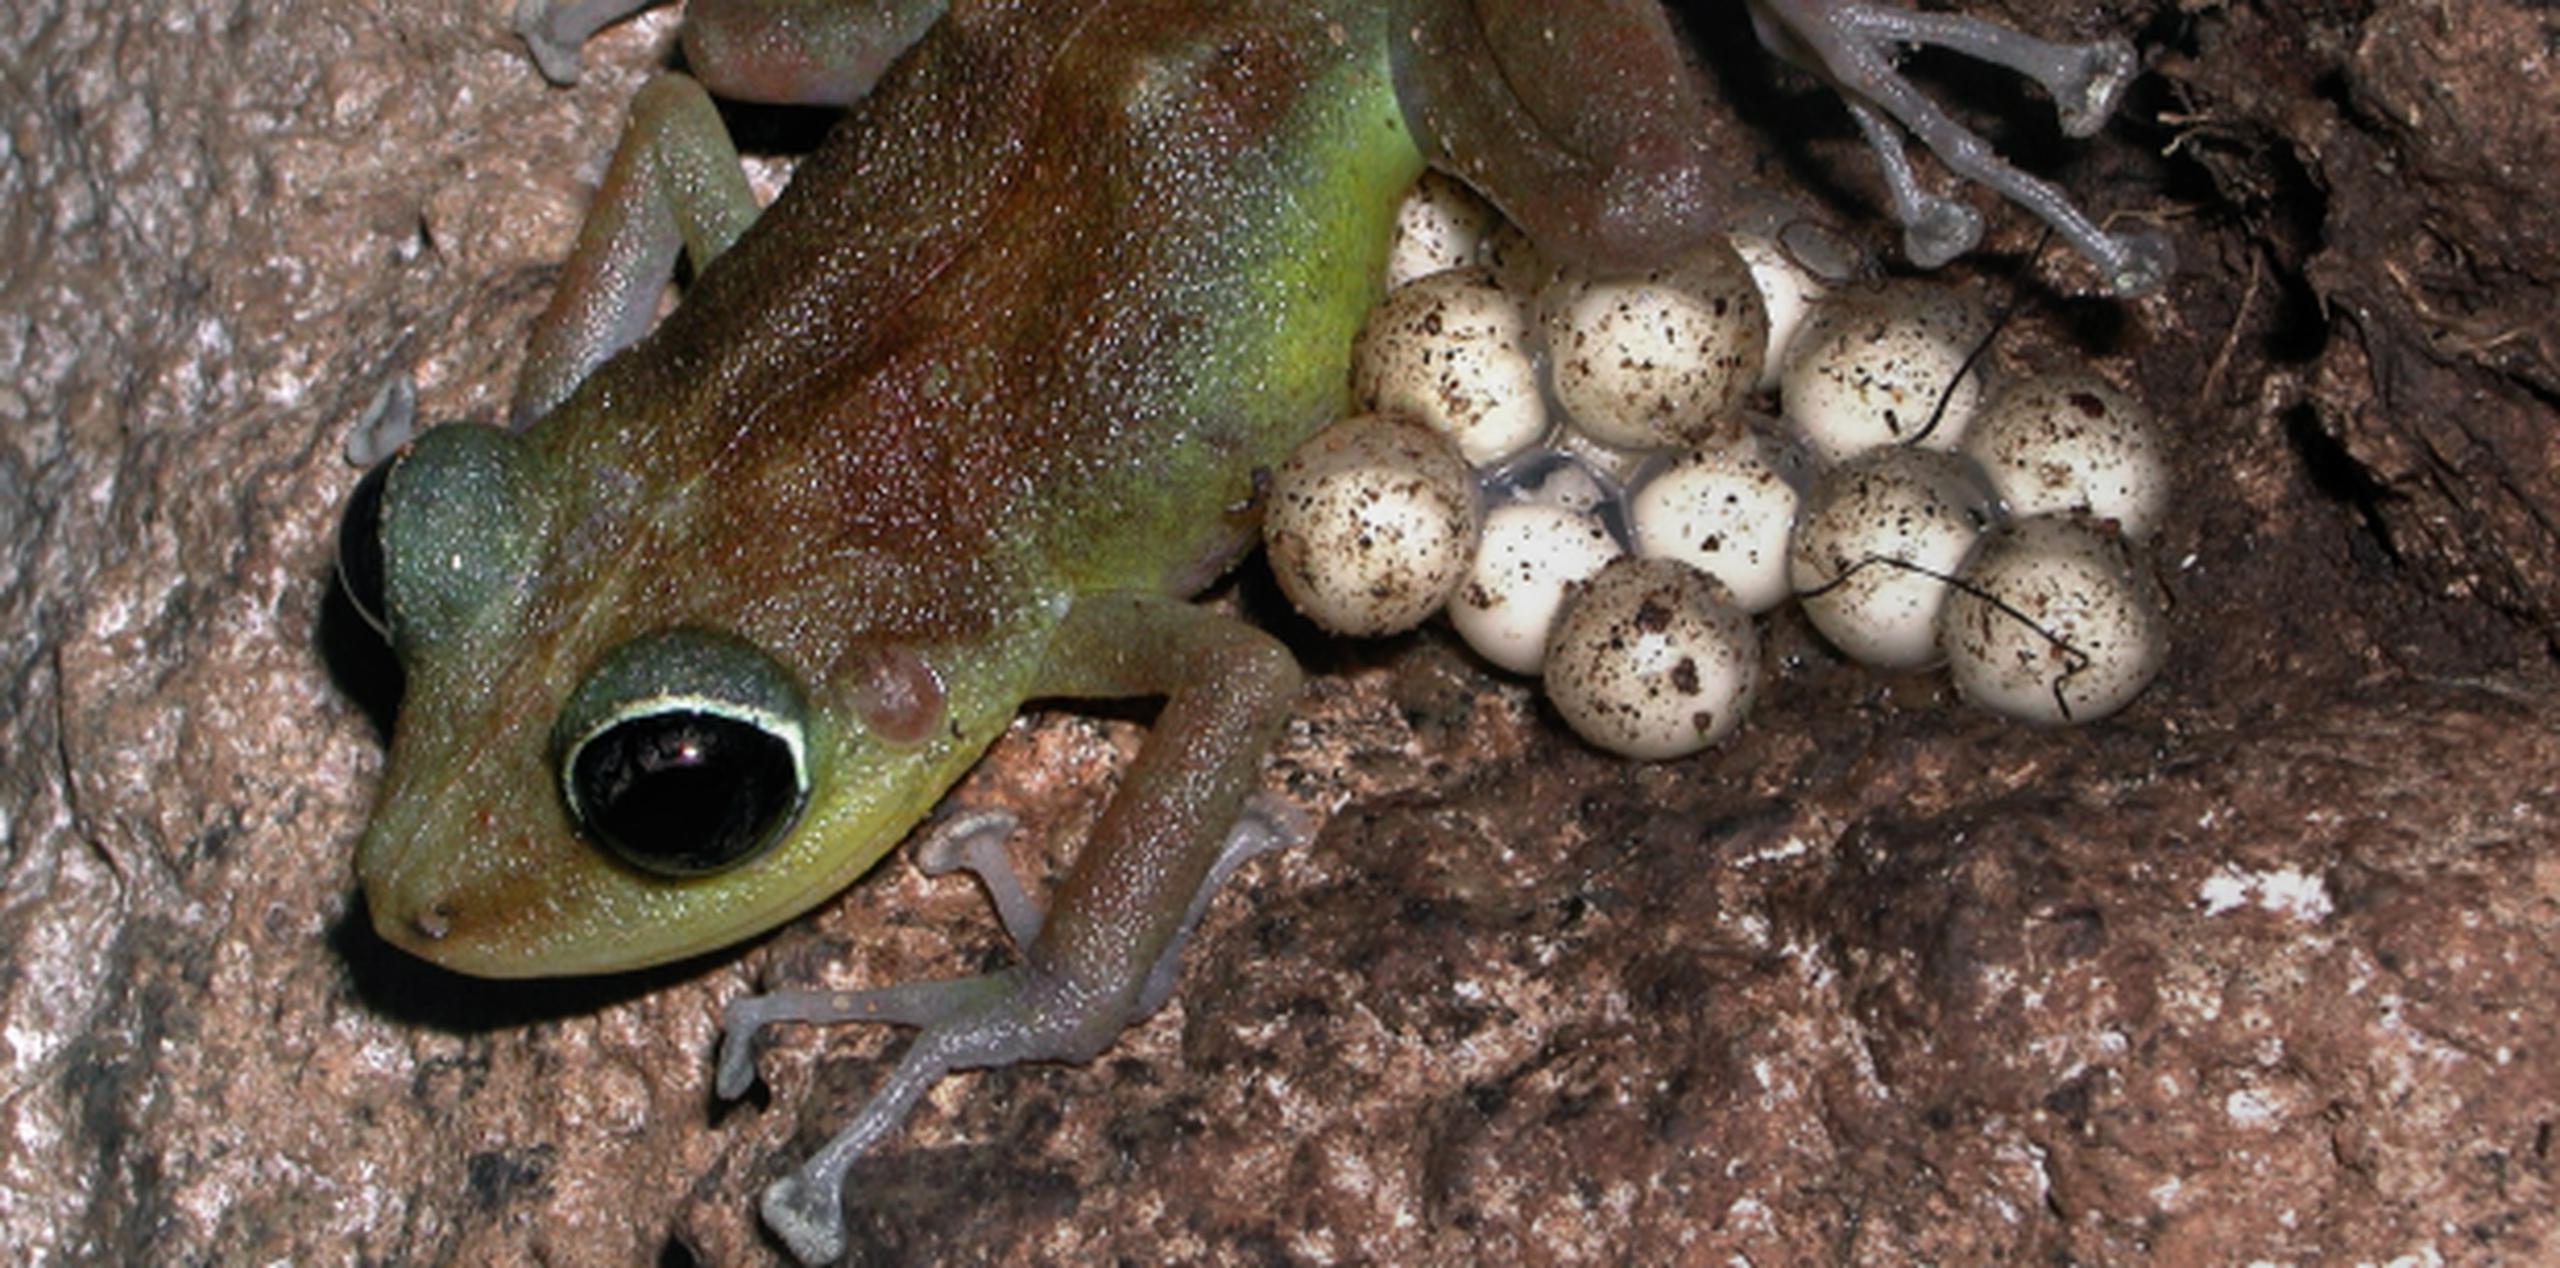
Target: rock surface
[[2264, 968]]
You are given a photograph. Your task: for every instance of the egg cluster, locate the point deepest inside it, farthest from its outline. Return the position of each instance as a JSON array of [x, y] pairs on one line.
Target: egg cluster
[[1572, 468]]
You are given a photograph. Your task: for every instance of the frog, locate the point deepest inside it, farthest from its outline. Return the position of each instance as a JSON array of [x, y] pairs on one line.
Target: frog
[[966, 419]]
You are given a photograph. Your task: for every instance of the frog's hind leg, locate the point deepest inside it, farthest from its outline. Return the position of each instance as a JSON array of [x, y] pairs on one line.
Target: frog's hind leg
[[801, 52], [1587, 137], [1854, 44], [974, 842]]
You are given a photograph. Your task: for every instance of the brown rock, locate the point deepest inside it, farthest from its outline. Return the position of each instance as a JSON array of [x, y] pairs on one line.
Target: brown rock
[[2263, 968]]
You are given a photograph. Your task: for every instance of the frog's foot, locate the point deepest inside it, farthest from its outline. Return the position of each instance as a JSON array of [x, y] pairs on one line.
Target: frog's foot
[[1024, 1013], [1935, 228], [553, 30], [1854, 44]]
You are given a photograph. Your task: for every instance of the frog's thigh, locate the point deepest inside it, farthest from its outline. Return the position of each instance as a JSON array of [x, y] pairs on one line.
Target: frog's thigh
[[1590, 135], [674, 183], [801, 52], [1227, 689]]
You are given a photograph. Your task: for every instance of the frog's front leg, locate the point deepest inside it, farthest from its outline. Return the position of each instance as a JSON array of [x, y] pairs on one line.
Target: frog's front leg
[[1105, 953], [675, 182]]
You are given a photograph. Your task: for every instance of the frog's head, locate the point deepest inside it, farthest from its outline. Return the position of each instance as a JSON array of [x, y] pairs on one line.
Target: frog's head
[[586, 776]]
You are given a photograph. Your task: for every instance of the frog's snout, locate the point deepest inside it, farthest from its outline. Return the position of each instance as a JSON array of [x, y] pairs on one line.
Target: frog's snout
[[408, 918], [457, 898]]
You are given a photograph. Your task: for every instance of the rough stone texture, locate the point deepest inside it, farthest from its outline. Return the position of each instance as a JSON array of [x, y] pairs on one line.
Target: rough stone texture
[[2264, 968]]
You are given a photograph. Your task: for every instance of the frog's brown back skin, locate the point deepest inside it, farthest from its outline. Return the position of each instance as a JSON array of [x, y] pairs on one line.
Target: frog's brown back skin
[[924, 390]]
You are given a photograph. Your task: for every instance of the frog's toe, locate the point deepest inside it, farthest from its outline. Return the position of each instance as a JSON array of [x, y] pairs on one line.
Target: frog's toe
[[2139, 263], [1941, 230], [2092, 83], [1267, 823], [973, 842], [973, 1023], [389, 422], [1856, 44], [809, 1222], [927, 1005]]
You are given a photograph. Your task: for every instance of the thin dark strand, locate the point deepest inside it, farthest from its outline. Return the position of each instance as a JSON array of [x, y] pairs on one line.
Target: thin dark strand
[[1999, 321], [2075, 660]]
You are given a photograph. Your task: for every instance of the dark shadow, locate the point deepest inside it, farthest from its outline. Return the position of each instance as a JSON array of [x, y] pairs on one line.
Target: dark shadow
[[1259, 600], [777, 130], [1775, 100], [358, 659], [2337, 475]]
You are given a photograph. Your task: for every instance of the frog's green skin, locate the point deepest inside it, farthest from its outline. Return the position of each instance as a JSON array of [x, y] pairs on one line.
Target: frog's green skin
[[956, 423]]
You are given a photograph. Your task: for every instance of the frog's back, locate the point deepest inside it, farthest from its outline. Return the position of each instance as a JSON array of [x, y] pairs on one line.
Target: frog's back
[[1063, 361]]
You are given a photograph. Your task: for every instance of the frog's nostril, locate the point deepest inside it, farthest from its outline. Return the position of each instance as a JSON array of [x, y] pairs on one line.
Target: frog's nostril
[[432, 923]]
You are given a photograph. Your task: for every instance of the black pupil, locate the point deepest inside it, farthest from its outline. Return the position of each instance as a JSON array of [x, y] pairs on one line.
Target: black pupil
[[683, 792]]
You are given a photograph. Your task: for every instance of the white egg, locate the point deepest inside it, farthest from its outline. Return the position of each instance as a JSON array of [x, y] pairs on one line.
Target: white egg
[[1788, 291], [1370, 524], [1653, 660], [1453, 350], [2056, 621], [1871, 366], [2073, 441], [1724, 510], [1531, 557], [1660, 359], [1877, 539], [1441, 224]]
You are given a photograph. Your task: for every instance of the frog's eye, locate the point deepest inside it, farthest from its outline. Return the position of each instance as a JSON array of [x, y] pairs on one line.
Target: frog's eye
[[440, 540], [683, 753], [360, 547], [683, 790]]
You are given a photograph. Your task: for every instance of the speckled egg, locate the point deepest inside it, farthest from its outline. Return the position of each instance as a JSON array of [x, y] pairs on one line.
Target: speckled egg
[[1531, 558], [1653, 660], [1370, 524], [1877, 539], [1517, 265], [1441, 224], [1871, 366], [1656, 360], [1788, 291], [1724, 510], [1453, 350], [2056, 621], [2070, 440]]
